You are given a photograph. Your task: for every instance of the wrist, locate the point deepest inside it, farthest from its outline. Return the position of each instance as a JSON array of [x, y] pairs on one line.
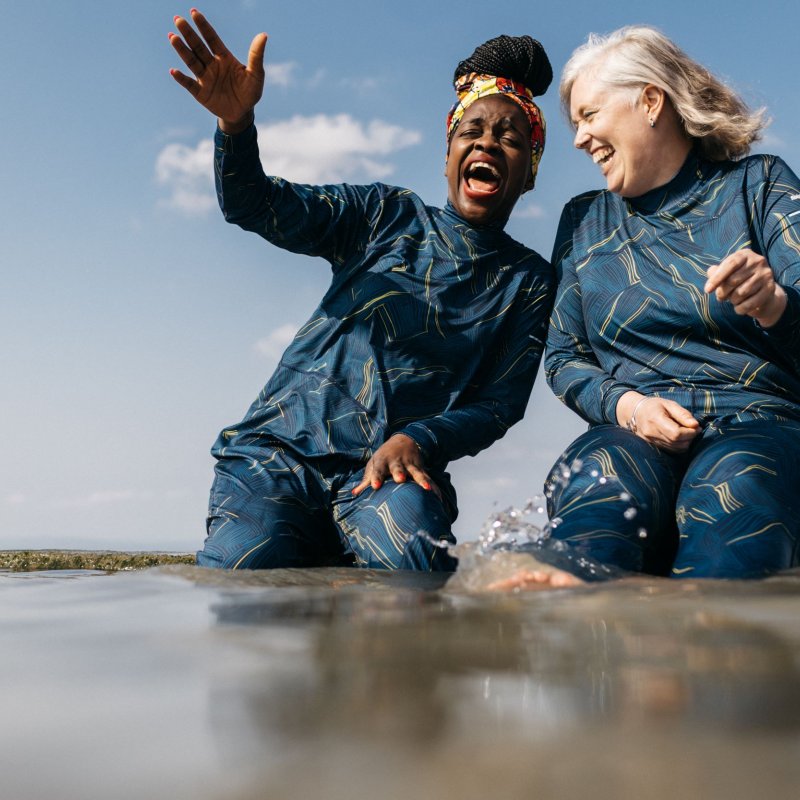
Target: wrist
[[625, 406], [232, 127], [631, 423], [776, 307]]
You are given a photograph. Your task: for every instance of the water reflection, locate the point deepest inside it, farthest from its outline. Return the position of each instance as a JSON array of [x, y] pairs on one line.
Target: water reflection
[[184, 682]]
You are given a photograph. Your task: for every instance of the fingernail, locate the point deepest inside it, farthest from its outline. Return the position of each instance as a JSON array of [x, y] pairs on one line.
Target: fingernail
[[426, 485]]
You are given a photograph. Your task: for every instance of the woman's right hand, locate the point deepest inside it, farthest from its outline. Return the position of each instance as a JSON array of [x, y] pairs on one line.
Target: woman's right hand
[[663, 423], [223, 84]]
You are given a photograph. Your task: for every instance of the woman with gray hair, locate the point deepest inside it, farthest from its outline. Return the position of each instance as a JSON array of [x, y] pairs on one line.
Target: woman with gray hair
[[675, 332]]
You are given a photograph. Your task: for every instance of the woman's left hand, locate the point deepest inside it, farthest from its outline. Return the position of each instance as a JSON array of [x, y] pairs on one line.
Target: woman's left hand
[[746, 280], [397, 458]]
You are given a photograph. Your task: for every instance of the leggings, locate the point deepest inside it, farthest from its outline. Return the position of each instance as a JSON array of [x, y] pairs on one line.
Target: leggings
[[728, 508], [277, 510]]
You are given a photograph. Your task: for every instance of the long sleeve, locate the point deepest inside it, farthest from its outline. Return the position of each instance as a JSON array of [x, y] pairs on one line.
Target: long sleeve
[[502, 394], [778, 228], [326, 221], [571, 368]]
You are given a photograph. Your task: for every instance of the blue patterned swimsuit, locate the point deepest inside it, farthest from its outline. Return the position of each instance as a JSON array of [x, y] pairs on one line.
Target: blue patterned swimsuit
[[631, 314], [431, 327]]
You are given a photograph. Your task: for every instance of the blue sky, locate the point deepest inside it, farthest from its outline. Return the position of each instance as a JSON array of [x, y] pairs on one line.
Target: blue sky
[[136, 323]]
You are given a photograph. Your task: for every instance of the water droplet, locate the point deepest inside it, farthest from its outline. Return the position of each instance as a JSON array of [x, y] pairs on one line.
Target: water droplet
[[630, 513], [642, 533]]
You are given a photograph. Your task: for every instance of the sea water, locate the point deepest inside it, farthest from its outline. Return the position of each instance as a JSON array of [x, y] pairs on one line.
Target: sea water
[[179, 682]]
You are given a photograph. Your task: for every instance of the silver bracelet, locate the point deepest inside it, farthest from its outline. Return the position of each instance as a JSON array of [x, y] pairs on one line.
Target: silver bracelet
[[631, 423]]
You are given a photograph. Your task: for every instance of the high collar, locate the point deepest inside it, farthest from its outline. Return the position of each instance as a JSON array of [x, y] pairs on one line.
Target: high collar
[[678, 193], [456, 219]]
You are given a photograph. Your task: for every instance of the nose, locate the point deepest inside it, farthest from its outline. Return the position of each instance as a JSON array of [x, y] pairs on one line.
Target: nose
[[581, 138], [486, 142]]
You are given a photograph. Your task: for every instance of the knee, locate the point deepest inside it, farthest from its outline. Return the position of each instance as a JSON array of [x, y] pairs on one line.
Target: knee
[[400, 526]]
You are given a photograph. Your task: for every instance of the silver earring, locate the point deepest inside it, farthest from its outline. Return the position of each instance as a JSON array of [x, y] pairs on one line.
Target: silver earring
[[652, 122]]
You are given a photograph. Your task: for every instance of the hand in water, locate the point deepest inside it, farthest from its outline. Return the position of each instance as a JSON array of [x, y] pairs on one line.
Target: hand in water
[[222, 84], [544, 577]]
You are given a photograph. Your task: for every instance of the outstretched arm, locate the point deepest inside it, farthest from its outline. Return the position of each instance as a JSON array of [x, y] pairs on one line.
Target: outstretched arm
[[221, 83]]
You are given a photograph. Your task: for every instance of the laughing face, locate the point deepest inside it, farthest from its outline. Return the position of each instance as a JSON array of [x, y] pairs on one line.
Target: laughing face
[[618, 137], [489, 160]]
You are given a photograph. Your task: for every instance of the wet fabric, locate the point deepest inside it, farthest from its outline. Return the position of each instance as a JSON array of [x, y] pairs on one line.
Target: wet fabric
[[282, 511], [729, 508], [430, 327], [631, 314]]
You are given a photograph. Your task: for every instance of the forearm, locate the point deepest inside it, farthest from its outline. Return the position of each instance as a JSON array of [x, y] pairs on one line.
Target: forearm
[[462, 432], [580, 382], [785, 332]]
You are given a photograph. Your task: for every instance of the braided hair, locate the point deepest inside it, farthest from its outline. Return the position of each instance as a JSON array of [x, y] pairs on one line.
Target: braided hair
[[519, 58]]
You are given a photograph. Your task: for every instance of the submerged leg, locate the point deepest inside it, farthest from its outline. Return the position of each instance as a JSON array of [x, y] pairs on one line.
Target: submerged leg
[[268, 512], [739, 505], [381, 526], [611, 497]]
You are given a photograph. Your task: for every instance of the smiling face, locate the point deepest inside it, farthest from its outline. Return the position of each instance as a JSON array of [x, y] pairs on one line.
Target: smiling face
[[633, 156], [489, 160]]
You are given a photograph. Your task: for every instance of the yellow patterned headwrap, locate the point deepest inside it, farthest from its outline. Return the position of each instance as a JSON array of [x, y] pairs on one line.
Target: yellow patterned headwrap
[[473, 86]]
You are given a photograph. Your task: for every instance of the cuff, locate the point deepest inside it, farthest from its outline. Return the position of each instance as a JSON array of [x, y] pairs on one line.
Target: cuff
[[786, 328], [424, 438], [230, 143]]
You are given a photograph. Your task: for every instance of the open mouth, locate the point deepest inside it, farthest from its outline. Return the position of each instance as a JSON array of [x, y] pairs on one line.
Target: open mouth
[[482, 178], [603, 155]]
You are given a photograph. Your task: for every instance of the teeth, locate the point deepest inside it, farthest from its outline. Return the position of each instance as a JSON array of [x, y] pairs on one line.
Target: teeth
[[475, 165], [600, 156]]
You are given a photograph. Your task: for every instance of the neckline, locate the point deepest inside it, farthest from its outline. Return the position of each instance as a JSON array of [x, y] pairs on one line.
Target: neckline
[[673, 192]]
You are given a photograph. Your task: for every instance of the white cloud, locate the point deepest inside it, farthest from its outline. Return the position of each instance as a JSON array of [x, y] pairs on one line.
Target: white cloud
[[188, 173], [273, 345], [327, 149], [529, 211], [280, 74], [319, 149]]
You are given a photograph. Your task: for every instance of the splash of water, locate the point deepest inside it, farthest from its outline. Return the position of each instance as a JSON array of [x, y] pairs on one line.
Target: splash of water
[[527, 532]]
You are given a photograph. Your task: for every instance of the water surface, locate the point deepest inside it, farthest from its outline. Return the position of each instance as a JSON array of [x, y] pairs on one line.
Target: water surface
[[178, 682]]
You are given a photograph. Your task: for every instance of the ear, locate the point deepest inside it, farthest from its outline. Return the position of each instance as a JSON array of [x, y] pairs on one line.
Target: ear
[[653, 100]]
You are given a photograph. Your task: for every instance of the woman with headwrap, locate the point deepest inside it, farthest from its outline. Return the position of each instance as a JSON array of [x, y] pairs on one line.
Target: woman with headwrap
[[424, 348]]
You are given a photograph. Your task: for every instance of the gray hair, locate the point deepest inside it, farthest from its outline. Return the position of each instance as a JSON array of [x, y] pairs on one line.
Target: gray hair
[[630, 58]]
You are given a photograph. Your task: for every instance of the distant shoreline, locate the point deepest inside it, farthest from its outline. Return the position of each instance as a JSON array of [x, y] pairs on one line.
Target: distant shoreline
[[102, 560]]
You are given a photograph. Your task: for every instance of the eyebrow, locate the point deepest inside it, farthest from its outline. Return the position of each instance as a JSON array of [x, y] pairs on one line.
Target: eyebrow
[[507, 121]]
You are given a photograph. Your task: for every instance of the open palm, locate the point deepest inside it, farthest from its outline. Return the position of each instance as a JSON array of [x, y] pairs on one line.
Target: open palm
[[222, 84]]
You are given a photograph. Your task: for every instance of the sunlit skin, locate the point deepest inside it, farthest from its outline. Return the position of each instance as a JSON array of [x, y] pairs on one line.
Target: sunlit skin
[[529, 579], [635, 157], [493, 130]]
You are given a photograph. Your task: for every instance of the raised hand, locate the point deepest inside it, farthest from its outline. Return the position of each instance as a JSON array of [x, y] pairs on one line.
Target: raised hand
[[746, 280], [397, 458], [663, 423], [222, 84]]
